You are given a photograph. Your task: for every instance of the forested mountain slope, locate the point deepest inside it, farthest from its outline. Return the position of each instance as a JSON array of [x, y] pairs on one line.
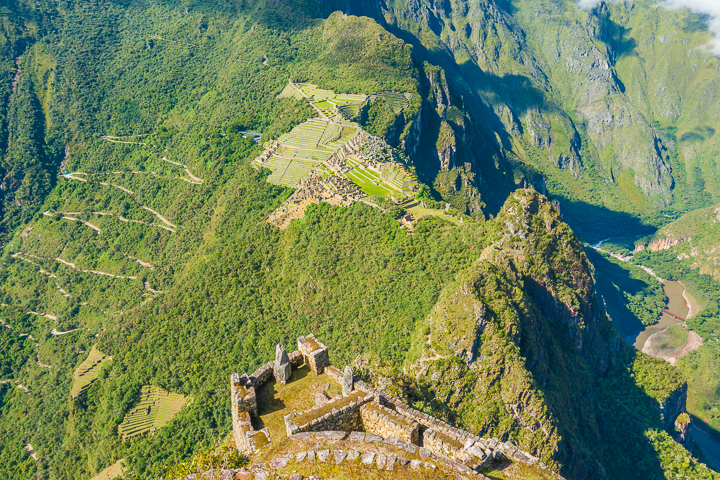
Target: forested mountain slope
[[134, 225], [591, 100]]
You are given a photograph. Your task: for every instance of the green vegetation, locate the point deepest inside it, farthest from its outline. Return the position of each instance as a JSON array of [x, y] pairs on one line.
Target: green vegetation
[[144, 105], [671, 338], [154, 410]]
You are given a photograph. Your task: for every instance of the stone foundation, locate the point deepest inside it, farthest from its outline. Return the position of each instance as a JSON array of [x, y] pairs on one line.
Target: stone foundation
[[375, 413], [314, 353]]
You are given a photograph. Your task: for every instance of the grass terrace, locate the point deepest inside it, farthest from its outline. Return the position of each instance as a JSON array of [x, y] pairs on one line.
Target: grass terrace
[[88, 371], [369, 182], [288, 172], [155, 409]]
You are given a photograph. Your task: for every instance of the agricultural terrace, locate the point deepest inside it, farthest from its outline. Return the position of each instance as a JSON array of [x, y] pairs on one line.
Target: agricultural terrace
[[155, 409], [396, 100], [115, 470], [88, 371]]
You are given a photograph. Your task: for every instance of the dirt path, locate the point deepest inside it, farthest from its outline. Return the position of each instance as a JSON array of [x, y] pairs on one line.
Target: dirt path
[[30, 449], [144, 264], [42, 365], [74, 219], [160, 217], [117, 140], [151, 290], [46, 315], [319, 112], [119, 217], [118, 186], [193, 179], [55, 332]]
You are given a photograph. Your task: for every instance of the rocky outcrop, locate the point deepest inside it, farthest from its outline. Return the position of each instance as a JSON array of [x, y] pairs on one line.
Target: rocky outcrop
[[666, 243]]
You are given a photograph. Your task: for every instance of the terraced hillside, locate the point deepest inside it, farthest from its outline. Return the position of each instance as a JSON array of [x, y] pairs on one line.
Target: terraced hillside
[[154, 410], [88, 371]]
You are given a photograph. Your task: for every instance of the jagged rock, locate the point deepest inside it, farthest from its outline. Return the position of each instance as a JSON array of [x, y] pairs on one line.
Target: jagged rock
[[321, 399], [322, 455], [380, 461], [403, 462], [311, 456], [415, 464], [280, 462], [282, 368], [368, 457], [353, 454], [301, 456], [347, 381], [391, 458], [340, 455], [424, 453]]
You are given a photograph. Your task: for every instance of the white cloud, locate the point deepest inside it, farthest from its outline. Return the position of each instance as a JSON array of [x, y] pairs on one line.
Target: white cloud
[[708, 7], [588, 3]]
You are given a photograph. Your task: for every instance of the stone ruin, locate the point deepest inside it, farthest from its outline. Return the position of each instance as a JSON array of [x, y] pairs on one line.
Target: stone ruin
[[362, 414]]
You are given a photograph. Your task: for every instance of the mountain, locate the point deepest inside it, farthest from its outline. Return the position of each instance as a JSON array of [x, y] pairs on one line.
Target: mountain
[[139, 269]]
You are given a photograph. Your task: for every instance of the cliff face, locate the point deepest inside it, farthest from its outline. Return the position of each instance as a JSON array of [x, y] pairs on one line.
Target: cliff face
[[566, 92], [518, 348]]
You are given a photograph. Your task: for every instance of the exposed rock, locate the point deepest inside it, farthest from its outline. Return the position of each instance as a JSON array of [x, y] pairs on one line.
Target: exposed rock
[[368, 457], [347, 381], [282, 369]]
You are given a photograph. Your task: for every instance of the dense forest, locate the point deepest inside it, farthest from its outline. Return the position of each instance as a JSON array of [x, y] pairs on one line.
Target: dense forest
[[133, 222]]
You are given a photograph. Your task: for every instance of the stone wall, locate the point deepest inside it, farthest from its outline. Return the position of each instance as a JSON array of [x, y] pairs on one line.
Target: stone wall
[[387, 423], [244, 402], [314, 353], [386, 417], [340, 413]]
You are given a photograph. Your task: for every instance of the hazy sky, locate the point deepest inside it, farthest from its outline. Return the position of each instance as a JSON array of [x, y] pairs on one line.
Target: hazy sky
[[710, 7]]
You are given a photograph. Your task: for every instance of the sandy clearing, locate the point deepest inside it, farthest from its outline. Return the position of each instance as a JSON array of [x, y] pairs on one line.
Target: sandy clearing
[[692, 303], [31, 451]]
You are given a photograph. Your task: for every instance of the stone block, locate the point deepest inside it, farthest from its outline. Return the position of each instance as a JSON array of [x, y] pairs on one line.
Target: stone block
[[424, 453], [333, 436], [322, 455], [311, 456], [368, 457], [390, 464], [303, 436], [301, 456], [415, 464], [408, 447], [296, 476], [371, 437], [403, 462], [357, 437], [347, 381], [381, 461], [280, 462], [340, 456], [242, 474], [391, 441], [353, 455]]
